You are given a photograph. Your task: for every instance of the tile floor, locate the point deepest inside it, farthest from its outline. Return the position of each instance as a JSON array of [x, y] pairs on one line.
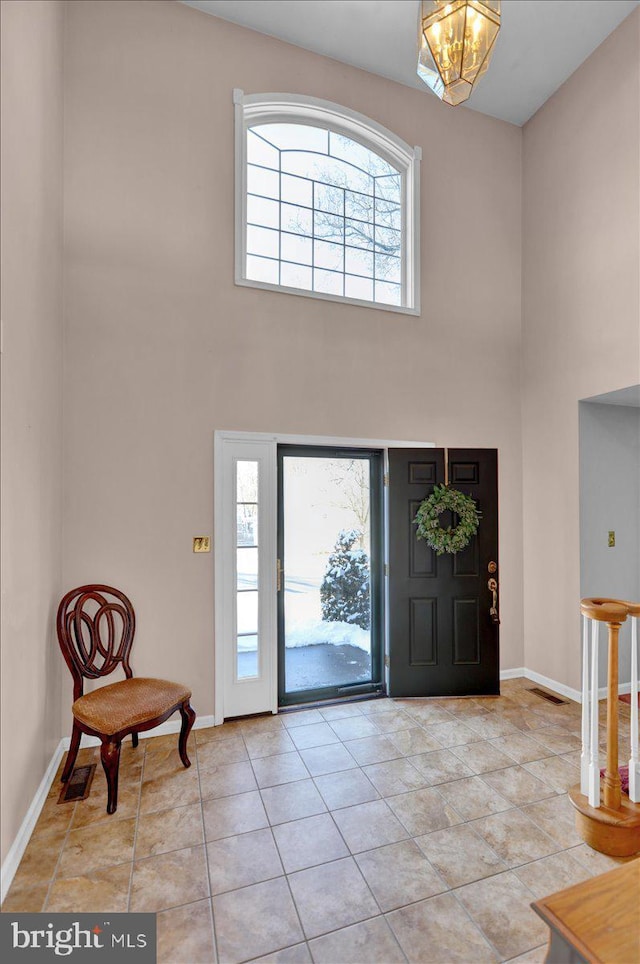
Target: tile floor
[[382, 831]]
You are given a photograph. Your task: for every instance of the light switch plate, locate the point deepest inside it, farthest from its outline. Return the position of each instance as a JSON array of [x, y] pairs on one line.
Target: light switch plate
[[201, 544]]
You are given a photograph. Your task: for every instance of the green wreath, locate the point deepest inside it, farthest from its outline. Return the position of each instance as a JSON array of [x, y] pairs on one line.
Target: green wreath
[[453, 538]]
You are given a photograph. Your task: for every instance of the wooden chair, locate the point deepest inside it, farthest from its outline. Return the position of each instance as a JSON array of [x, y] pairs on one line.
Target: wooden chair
[[95, 627]]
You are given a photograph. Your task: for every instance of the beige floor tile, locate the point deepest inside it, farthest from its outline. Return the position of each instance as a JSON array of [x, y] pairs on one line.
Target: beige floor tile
[[554, 772], [345, 789], [523, 719], [292, 801], [399, 874], [440, 766], [500, 906], [170, 790], [308, 842], [240, 861], [482, 757], [550, 874], [331, 896], [300, 718], [537, 956], [373, 749], [169, 880], [274, 922], [557, 739], [521, 748], [40, 858], [26, 899], [514, 837], [371, 941], [270, 771], [270, 743], [93, 810], [88, 849], [316, 734], [428, 713], [395, 776], [102, 891], [327, 759], [556, 817], [229, 816], [298, 954], [596, 862], [55, 817], [185, 935], [394, 722], [358, 727], [491, 726], [216, 753], [343, 710], [472, 798], [452, 733], [460, 855], [435, 931], [226, 780], [214, 733], [165, 830], [265, 723], [414, 740], [421, 811], [368, 825], [518, 785], [166, 759]]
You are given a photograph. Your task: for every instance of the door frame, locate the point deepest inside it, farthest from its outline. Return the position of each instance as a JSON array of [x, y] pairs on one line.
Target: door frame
[[224, 545]]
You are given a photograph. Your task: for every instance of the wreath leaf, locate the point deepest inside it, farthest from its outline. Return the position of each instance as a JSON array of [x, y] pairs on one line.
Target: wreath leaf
[[452, 538]]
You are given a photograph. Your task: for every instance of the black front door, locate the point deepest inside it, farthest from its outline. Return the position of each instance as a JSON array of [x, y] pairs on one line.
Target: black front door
[[443, 639]]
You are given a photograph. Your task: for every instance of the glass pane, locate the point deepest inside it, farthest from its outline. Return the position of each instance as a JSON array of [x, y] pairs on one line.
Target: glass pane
[[359, 262], [262, 241], [247, 486], [329, 282], [327, 255], [247, 608], [388, 294], [247, 520], [358, 288], [263, 269], [297, 190], [260, 181], [261, 211], [247, 657], [247, 568], [259, 151], [327, 550], [295, 248], [295, 276], [298, 220]]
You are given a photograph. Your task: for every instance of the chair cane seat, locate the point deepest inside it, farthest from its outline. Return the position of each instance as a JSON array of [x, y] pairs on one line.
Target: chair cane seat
[[128, 703]]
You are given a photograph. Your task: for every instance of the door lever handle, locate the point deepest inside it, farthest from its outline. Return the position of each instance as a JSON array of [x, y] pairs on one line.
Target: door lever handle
[[493, 609]]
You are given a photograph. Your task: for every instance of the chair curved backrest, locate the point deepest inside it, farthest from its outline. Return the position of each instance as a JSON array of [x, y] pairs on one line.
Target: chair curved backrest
[[95, 626]]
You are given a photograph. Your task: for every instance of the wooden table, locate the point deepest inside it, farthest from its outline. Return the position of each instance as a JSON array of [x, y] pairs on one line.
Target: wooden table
[[598, 921]]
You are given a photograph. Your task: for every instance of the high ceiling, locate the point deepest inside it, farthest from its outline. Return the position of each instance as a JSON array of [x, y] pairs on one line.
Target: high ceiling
[[541, 42]]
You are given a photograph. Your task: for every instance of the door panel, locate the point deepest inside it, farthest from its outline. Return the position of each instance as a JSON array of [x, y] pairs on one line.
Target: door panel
[[443, 641]]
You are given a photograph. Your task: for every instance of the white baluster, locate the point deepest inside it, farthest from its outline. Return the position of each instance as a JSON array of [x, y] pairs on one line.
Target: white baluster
[[634, 765], [594, 762], [586, 754]]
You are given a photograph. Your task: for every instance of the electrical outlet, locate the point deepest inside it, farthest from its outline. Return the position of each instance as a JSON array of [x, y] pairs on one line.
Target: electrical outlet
[[201, 544], [611, 540]]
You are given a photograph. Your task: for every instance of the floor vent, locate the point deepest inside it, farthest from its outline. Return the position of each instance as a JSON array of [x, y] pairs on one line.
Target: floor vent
[[549, 697], [78, 785]]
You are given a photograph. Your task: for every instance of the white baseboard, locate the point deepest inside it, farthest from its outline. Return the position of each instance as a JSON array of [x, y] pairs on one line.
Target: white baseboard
[[557, 687], [12, 861], [512, 673], [19, 845]]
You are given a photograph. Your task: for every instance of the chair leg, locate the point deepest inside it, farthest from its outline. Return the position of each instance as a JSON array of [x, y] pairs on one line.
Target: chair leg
[[134, 740], [188, 718], [76, 735], [110, 756]]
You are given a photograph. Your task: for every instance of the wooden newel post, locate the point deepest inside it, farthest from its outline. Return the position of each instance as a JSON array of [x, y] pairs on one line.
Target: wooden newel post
[[612, 774]]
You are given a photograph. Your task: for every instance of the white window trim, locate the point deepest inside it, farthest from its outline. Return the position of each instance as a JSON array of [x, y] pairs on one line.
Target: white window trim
[[296, 108]]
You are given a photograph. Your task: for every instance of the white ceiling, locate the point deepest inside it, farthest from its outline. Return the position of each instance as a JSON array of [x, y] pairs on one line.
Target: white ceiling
[[541, 42]]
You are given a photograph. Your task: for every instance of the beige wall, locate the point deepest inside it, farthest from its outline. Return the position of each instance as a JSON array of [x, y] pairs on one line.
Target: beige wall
[[32, 37], [162, 349], [581, 261]]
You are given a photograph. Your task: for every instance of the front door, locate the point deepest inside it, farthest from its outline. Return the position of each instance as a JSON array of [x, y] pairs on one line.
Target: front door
[[329, 573], [443, 640]]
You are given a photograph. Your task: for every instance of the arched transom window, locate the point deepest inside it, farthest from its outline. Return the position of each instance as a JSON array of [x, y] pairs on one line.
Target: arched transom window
[[327, 203]]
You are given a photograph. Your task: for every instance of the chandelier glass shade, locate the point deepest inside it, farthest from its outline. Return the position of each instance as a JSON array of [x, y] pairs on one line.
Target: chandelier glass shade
[[456, 43]]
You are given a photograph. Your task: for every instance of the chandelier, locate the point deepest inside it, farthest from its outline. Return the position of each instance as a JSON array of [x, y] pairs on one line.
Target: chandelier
[[456, 42]]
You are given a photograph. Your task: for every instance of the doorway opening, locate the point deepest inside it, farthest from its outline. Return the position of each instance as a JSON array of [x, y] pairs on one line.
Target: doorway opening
[[330, 573]]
